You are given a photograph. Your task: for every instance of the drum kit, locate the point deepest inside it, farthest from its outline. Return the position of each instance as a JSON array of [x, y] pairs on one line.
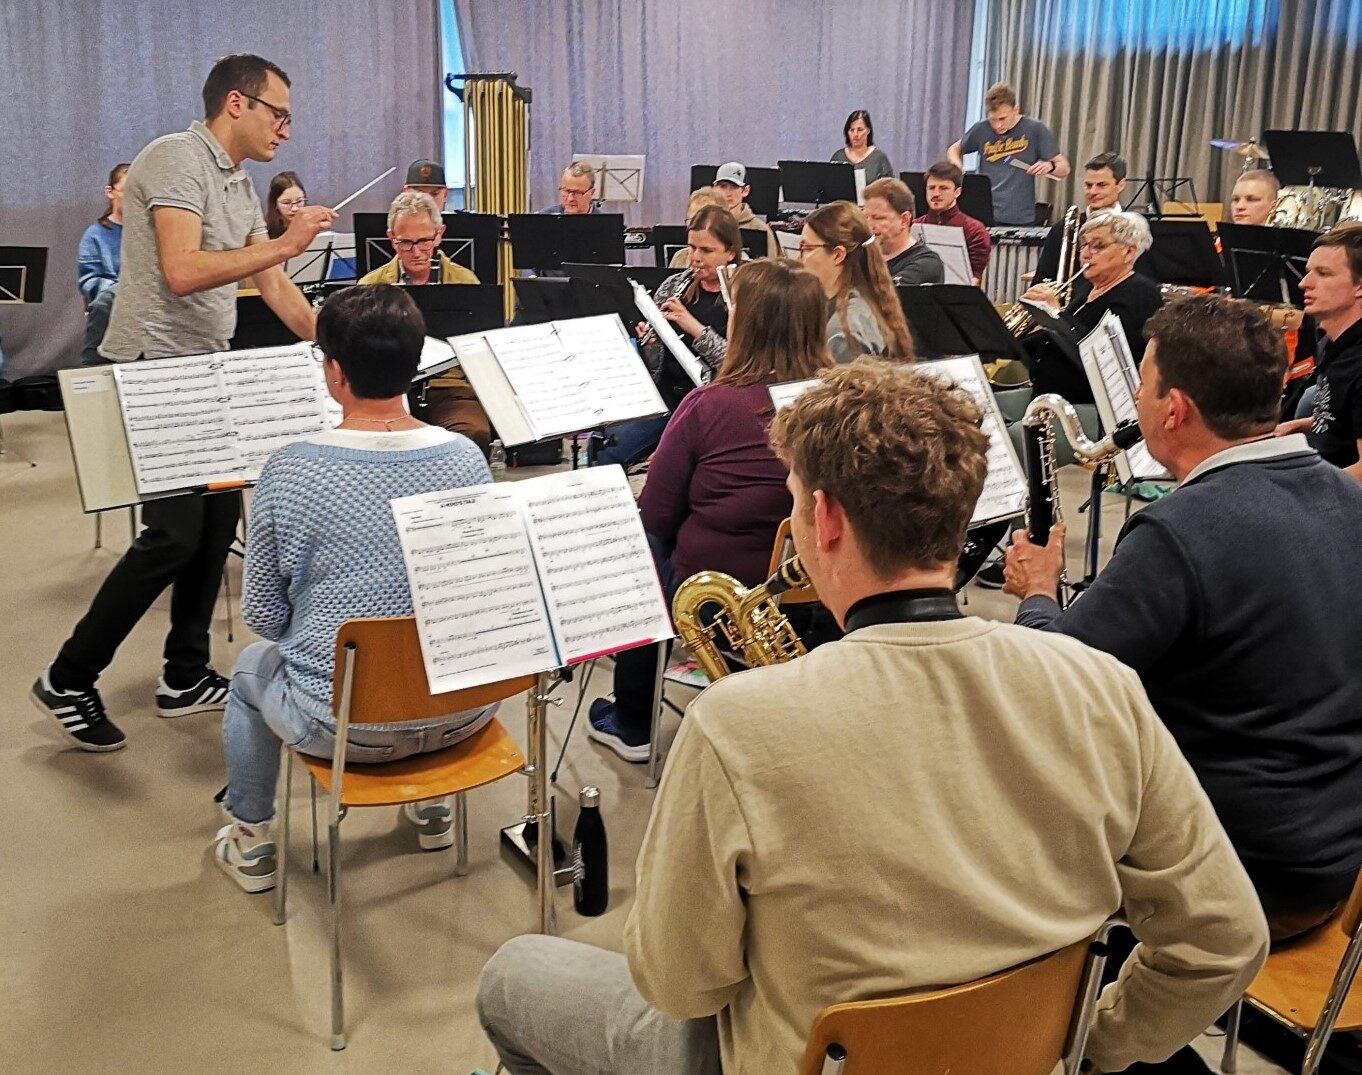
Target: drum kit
[[1309, 207]]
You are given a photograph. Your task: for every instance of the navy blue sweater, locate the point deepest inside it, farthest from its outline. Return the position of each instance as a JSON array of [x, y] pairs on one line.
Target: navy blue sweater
[[1236, 601]]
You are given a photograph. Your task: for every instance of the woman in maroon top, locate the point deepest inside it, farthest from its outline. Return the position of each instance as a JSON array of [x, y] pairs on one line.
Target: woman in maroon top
[[716, 492]]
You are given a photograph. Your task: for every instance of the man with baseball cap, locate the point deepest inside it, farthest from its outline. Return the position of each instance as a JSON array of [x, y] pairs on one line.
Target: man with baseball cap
[[731, 180], [427, 177]]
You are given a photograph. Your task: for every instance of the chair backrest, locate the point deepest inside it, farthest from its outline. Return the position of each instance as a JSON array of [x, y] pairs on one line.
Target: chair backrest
[[1351, 916], [390, 676], [1016, 1021], [780, 552]]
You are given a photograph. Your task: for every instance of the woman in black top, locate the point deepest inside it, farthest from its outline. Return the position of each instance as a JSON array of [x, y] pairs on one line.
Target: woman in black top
[[1109, 243]]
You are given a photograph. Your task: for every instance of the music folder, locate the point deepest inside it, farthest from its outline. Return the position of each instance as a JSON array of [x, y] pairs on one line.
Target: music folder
[[957, 319], [22, 273]]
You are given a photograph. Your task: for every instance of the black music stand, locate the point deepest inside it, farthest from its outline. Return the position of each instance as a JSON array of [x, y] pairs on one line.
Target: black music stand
[[957, 319], [258, 326], [1266, 264], [458, 309], [614, 280], [764, 197], [1156, 191], [667, 239], [1314, 158], [543, 241], [817, 182], [1184, 254], [976, 196], [471, 240], [23, 270], [542, 299]]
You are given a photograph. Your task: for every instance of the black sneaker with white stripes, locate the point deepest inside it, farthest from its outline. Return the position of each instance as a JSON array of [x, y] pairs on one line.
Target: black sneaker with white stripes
[[208, 695], [79, 714]]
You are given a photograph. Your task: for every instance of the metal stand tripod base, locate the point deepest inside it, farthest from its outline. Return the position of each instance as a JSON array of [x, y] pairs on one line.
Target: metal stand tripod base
[[518, 849]]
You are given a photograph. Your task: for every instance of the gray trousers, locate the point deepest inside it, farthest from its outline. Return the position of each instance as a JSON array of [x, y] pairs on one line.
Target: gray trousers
[[557, 1007]]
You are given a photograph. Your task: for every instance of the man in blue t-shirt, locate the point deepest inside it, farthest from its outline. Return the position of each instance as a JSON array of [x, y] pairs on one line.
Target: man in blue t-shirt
[[1013, 149]]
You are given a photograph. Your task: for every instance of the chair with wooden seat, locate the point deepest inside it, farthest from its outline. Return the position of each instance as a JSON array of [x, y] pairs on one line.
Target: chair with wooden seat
[[780, 552], [1306, 985], [1023, 1021], [380, 678]]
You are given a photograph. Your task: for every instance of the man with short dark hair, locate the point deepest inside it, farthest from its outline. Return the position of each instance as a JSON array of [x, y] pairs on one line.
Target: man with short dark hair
[[944, 182], [1104, 181], [1013, 150], [888, 207], [1234, 598], [428, 177], [1332, 287], [955, 829], [192, 231]]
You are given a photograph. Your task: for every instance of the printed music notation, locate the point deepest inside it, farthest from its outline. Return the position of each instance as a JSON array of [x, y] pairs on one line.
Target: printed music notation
[[1110, 366], [521, 577], [1004, 493], [575, 375], [200, 419]]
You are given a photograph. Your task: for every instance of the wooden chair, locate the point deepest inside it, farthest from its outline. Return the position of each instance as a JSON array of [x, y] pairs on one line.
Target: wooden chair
[[380, 678], [1306, 985], [1023, 1021], [780, 552]]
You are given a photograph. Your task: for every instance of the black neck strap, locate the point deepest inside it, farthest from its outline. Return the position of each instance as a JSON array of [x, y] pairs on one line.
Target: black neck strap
[[903, 606]]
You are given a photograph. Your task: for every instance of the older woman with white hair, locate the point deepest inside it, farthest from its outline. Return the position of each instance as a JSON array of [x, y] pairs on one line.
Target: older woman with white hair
[[1108, 245]]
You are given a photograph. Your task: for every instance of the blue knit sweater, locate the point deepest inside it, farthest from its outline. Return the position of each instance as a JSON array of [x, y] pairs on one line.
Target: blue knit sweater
[[322, 546], [98, 258]]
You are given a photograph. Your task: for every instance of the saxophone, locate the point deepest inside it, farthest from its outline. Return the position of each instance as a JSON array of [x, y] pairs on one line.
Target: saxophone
[[746, 622], [1018, 319]]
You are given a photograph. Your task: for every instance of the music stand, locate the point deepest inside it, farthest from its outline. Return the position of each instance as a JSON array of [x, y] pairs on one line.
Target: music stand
[[667, 239], [613, 283], [619, 176], [458, 309], [543, 241], [317, 264], [1184, 254], [471, 240], [1314, 158], [1266, 264], [555, 298], [22, 273], [976, 196], [764, 197], [1156, 190], [817, 182], [956, 319], [258, 326]]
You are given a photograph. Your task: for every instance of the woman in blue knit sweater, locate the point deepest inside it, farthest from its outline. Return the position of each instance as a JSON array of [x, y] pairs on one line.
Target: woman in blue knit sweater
[[98, 256], [322, 548]]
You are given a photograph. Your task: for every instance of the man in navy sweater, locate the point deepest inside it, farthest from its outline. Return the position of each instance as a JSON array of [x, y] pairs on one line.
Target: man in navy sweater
[[1235, 599]]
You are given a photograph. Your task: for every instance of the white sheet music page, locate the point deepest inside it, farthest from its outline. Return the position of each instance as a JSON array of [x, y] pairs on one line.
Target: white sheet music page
[[599, 580], [177, 421], [275, 396], [475, 590], [782, 395], [1004, 493], [1114, 379], [671, 340], [601, 360], [532, 357]]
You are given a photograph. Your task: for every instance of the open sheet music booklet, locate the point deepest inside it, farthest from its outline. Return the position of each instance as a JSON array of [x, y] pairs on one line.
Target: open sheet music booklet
[[201, 420], [541, 381], [1004, 493], [521, 577], [1112, 374]]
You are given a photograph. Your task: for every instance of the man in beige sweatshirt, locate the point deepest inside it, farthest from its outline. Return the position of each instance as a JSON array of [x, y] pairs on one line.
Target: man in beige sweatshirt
[[930, 800]]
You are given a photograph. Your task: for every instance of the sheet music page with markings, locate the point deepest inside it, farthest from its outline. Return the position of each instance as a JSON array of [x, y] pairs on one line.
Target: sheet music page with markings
[[599, 354], [782, 395], [178, 424], [1004, 493], [532, 359], [475, 590], [275, 396], [600, 583], [1114, 379]]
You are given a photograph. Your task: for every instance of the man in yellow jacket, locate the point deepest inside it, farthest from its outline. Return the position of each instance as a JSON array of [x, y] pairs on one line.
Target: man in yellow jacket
[[415, 229]]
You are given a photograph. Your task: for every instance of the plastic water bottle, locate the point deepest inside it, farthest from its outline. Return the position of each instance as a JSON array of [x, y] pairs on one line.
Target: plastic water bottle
[[590, 867], [497, 460]]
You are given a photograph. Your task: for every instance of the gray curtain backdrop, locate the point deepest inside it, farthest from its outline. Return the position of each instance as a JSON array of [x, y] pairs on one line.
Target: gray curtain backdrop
[[707, 81], [87, 83], [1156, 80]]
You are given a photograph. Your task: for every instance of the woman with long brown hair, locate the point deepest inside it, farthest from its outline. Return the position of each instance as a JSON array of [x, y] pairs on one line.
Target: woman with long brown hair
[[716, 492], [286, 196], [864, 315]]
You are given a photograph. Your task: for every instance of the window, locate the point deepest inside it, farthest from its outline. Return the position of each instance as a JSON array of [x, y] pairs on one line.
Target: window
[[452, 62]]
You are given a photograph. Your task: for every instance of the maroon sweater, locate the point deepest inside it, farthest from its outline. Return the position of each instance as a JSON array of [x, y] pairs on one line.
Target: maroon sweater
[[716, 492], [977, 240]]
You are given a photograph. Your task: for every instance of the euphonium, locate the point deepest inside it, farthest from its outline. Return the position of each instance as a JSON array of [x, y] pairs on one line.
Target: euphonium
[[1018, 319], [747, 622]]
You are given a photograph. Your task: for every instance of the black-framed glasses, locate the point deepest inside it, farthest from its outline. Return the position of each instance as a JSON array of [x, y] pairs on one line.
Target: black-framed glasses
[[423, 245], [569, 192], [282, 116], [805, 248]]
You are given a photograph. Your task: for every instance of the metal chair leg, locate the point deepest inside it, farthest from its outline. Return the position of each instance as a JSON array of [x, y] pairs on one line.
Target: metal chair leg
[[461, 834], [1229, 1059], [99, 530], [312, 787], [333, 898], [227, 596], [655, 743], [281, 845]]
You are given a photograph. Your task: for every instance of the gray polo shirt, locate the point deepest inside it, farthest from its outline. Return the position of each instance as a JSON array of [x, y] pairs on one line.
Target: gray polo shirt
[[188, 170]]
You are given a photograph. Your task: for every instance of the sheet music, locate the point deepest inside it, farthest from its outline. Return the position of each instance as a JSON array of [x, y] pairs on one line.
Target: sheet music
[[695, 370], [1004, 493], [948, 243], [434, 352], [177, 421], [1111, 371], [475, 591], [274, 397], [782, 395], [860, 185], [606, 365], [599, 580]]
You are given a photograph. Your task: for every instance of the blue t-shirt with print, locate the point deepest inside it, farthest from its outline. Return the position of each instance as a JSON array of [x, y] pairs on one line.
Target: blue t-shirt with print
[[1014, 192]]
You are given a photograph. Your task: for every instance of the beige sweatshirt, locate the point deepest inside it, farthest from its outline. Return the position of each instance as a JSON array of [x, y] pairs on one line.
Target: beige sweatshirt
[[920, 805], [747, 219]]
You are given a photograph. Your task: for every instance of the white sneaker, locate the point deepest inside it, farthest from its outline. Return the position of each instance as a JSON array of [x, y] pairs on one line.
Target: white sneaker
[[247, 855], [434, 821]]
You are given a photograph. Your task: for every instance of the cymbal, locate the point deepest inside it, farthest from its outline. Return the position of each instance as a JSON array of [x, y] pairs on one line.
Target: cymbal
[[1248, 149]]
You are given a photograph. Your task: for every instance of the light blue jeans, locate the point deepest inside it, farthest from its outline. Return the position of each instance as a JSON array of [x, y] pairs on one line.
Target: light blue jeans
[[262, 712]]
